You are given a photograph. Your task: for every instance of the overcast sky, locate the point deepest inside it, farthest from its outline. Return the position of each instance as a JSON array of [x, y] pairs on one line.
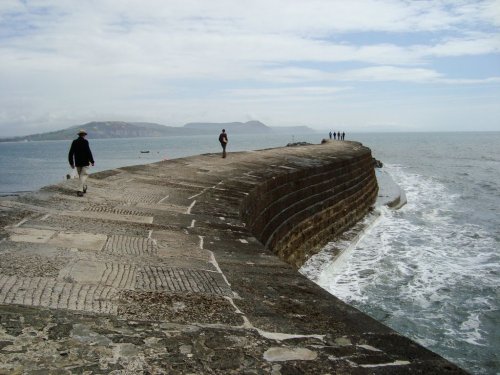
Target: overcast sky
[[359, 65]]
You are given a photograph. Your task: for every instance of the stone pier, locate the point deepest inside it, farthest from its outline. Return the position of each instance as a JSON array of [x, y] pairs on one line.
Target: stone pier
[[189, 266]]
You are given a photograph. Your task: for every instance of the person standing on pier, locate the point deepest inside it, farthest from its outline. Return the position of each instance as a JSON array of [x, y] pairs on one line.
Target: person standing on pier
[[80, 156], [223, 142]]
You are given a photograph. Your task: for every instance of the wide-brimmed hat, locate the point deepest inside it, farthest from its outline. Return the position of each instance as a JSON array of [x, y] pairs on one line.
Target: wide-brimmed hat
[[82, 132]]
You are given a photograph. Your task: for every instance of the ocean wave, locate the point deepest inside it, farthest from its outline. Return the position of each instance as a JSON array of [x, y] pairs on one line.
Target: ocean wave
[[423, 270]]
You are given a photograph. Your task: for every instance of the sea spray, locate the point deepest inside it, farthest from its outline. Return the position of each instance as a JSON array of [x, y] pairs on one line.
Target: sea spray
[[424, 271]]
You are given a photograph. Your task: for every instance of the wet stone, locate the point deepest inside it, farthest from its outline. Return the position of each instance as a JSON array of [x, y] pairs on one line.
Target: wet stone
[[4, 343], [60, 331], [179, 308], [279, 354]]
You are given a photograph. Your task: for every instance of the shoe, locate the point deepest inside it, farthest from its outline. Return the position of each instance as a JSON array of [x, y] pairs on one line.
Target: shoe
[[84, 189], [79, 193]]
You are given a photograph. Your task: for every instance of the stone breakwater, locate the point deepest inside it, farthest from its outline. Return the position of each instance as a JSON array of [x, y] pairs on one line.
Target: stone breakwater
[[311, 201], [172, 268]]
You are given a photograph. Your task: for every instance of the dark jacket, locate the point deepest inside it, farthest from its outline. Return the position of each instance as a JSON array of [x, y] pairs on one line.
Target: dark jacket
[[222, 138], [79, 153]]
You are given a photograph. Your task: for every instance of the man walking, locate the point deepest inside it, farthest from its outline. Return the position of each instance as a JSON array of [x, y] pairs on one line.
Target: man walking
[[223, 142], [80, 157]]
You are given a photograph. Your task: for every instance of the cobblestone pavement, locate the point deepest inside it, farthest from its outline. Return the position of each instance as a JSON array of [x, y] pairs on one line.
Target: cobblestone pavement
[[153, 272]]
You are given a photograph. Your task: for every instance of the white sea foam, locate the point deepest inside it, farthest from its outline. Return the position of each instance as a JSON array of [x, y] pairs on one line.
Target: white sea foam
[[418, 269]]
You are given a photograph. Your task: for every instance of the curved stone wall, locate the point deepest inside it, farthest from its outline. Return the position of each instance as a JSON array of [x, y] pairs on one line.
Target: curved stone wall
[[296, 212]]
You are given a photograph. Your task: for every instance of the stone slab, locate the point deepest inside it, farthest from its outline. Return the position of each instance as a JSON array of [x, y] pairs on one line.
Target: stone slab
[[30, 235], [83, 272], [47, 292], [109, 216], [130, 245], [178, 280], [82, 240]]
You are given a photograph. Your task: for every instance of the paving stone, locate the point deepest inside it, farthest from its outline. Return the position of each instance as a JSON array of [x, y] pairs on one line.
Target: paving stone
[[81, 240], [30, 235], [119, 244], [139, 197], [181, 280], [48, 292], [117, 216], [119, 211]]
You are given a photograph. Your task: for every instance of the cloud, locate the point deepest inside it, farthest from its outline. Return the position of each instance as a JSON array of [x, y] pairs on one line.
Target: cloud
[[479, 45], [286, 93], [389, 73], [67, 60], [200, 39]]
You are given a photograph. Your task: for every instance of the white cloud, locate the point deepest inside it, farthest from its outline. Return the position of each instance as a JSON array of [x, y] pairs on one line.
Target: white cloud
[[64, 60], [198, 37], [389, 73], [287, 92], [480, 45]]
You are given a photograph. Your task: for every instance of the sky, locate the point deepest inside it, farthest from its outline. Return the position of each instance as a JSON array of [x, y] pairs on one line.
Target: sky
[[355, 65]]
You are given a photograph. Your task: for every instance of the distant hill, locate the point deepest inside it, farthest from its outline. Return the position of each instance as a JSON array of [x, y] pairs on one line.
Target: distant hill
[[107, 129], [121, 129]]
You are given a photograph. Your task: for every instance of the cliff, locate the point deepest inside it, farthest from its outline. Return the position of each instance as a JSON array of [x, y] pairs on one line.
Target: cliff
[[189, 266]]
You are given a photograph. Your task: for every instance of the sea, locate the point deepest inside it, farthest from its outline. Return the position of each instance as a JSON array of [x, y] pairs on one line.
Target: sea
[[430, 269]]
